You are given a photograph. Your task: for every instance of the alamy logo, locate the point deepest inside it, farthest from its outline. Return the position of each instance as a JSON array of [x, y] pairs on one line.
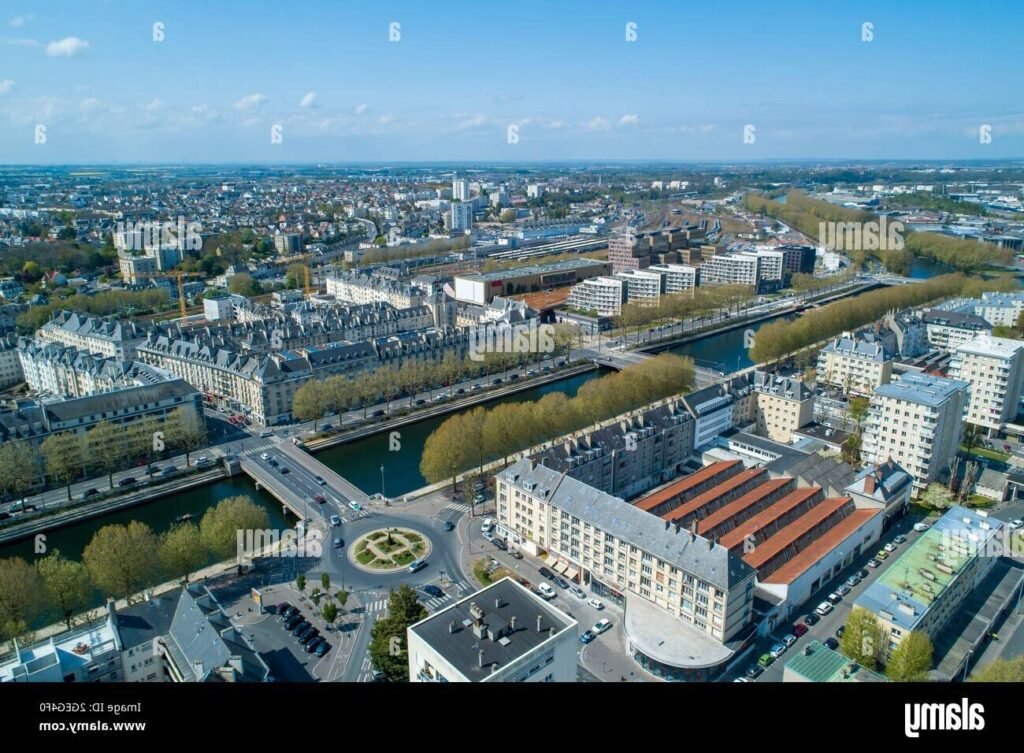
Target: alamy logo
[[273, 543], [945, 717], [142, 236], [532, 338], [861, 236]]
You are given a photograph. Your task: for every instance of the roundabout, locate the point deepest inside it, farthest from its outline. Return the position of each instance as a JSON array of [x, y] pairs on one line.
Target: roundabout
[[388, 550]]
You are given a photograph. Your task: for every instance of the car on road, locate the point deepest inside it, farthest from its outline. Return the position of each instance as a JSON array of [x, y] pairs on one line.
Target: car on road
[[890, 547], [832, 643], [754, 671], [812, 619], [799, 629], [578, 592], [90, 493], [823, 608], [766, 660], [545, 573], [601, 625], [417, 565], [500, 543], [587, 636], [789, 639], [478, 499], [168, 470], [127, 481], [487, 525], [335, 521], [852, 581], [596, 604], [920, 527], [322, 648], [1015, 524], [319, 480], [900, 539], [431, 590], [320, 499], [266, 433], [875, 562], [778, 650], [272, 462], [842, 589], [285, 469], [377, 414], [449, 526], [840, 630], [545, 590], [326, 427], [314, 644], [202, 460], [355, 505], [496, 381], [560, 582], [338, 542], [881, 554], [421, 401], [516, 554]]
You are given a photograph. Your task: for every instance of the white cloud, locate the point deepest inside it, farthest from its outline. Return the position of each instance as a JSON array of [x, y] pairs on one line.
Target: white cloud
[[471, 123], [596, 124], [153, 106], [309, 100], [629, 120], [6, 86], [24, 42], [386, 119], [361, 108], [68, 47], [19, 21], [250, 101]]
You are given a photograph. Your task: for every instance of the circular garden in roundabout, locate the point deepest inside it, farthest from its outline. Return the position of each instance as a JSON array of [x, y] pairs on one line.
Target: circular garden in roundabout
[[388, 549]]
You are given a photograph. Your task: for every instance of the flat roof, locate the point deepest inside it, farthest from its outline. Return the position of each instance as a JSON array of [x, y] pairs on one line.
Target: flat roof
[[664, 637], [923, 389], [534, 269], [816, 662], [505, 614]]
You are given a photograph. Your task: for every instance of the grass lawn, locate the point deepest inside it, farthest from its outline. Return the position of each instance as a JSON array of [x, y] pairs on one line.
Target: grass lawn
[[983, 452], [365, 558], [404, 558]]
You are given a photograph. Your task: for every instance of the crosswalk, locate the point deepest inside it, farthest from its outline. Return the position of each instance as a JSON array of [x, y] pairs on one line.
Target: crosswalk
[[261, 448], [378, 606], [457, 506]]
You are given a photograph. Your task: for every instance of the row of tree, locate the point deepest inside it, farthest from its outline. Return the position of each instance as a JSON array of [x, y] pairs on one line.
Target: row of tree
[[339, 393], [678, 306], [119, 561], [101, 304], [782, 338], [106, 448], [471, 439]]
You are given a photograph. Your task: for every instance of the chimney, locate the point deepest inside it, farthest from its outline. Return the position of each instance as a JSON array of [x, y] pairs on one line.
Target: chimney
[[551, 632], [807, 650], [869, 484], [667, 524], [451, 626], [540, 618], [497, 602], [512, 624], [480, 658]]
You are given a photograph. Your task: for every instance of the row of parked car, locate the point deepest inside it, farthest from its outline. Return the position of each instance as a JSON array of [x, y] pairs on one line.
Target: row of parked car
[[307, 636]]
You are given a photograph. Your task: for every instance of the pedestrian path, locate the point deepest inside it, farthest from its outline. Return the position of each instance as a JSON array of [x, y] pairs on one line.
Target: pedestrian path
[[457, 506], [376, 607]]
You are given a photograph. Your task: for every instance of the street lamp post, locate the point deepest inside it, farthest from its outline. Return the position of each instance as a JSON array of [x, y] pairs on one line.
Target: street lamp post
[[382, 492]]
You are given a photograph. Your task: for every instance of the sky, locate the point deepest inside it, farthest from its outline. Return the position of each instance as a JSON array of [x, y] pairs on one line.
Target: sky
[[128, 81]]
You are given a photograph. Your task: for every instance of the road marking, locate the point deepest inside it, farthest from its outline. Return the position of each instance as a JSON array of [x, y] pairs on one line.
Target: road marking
[[457, 506]]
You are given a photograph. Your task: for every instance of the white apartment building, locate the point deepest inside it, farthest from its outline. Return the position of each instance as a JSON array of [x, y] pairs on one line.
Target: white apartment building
[[605, 295], [642, 286], [460, 190], [731, 269], [995, 368], [856, 362], [679, 278], [10, 364], [108, 337], [134, 267], [1000, 309], [948, 330], [461, 216], [501, 633], [918, 422], [358, 288], [773, 264], [535, 191]]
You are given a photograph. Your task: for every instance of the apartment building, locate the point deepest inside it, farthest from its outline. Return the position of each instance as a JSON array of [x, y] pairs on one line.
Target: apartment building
[[115, 338], [10, 364], [1000, 309], [773, 267], [856, 362], [798, 259], [460, 216], [712, 411], [353, 287], [933, 576], [731, 269], [135, 267], [688, 598], [629, 454], [127, 407], [605, 295], [679, 278], [55, 369], [918, 422], [784, 404], [643, 286], [501, 633], [948, 330], [885, 484], [995, 368], [460, 189], [640, 250], [87, 653], [288, 243]]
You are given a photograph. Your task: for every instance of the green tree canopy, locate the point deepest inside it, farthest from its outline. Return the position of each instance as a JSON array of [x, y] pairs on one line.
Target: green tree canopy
[[220, 525], [122, 559]]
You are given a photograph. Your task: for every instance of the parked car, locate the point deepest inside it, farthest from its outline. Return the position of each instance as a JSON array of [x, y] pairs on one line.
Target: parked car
[[834, 598], [862, 573], [300, 627], [799, 629], [335, 520], [587, 636], [489, 535], [919, 527], [601, 625], [545, 573], [842, 589], [596, 604], [578, 592], [840, 630], [789, 640], [832, 643], [487, 525], [281, 608], [875, 562], [545, 590], [478, 499], [431, 590], [314, 644], [754, 671], [823, 608], [852, 581], [890, 547], [290, 612], [560, 582], [1016, 523], [322, 648], [766, 660], [516, 554], [778, 650], [900, 539], [500, 543], [881, 554], [812, 619]]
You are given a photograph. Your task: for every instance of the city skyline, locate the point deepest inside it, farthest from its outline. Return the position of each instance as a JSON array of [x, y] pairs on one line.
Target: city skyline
[[453, 84]]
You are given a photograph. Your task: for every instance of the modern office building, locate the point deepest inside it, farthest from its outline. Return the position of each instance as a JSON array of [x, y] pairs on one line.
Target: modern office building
[[995, 368], [784, 404], [480, 288], [855, 362], [604, 295], [501, 633], [918, 422], [731, 269]]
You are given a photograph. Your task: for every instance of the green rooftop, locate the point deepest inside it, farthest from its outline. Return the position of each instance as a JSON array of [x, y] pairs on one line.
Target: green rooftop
[[816, 662], [926, 567]]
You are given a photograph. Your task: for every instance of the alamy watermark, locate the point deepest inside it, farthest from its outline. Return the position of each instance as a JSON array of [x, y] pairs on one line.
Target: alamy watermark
[[145, 235], [862, 236], [530, 338], [271, 542]]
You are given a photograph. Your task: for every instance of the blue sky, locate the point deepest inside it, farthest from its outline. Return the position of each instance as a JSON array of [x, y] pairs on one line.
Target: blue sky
[[462, 72]]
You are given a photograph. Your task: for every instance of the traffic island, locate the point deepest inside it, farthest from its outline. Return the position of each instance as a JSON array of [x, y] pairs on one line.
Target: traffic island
[[387, 550]]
